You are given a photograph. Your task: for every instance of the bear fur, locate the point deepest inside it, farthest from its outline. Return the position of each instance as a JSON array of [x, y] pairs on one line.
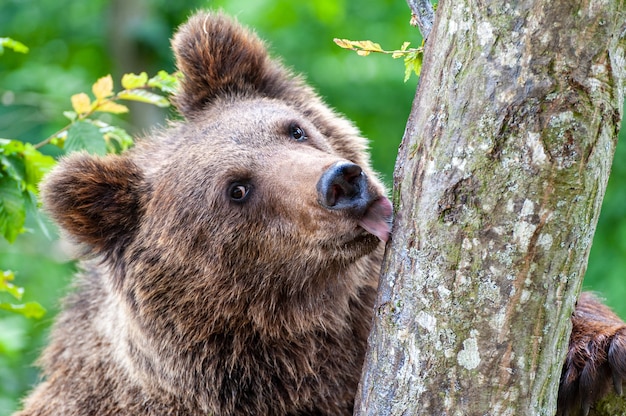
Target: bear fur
[[197, 303], [231, 261]]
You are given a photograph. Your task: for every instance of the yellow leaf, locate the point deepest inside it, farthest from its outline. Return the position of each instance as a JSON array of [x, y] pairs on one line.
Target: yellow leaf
[[362, 53], [111, 107], [368, 45], [81, 103], [343, 43], [103, 87]]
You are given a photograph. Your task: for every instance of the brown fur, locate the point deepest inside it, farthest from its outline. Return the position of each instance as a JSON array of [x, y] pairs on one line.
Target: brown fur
[[596, 359], [193, 304]]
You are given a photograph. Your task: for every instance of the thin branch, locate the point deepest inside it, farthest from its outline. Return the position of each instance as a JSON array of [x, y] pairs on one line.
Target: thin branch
[[423, 15]]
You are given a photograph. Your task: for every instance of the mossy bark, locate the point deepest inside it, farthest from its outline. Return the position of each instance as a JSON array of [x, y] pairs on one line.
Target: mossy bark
[[498, 187]]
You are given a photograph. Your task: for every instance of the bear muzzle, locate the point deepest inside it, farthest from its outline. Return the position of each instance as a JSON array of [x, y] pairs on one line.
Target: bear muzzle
[[344, 187]]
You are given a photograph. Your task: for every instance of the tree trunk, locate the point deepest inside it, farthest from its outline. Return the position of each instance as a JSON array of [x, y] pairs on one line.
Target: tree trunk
[[497, 191]]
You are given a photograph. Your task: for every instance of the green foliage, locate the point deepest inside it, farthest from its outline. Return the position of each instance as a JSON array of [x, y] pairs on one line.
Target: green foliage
[[12, 44], [22, 165], [83, 135], [96, 136], [28, 309], [21, 168], [412, 56]]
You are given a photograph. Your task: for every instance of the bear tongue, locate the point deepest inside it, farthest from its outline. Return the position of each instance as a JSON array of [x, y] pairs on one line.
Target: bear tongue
[[377, 219]]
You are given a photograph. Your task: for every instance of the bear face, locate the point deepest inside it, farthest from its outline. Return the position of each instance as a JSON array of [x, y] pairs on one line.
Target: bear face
[[235, 254]]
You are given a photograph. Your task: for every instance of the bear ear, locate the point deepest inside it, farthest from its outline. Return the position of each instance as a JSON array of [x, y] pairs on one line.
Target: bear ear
[[218, 57], [97, 200]]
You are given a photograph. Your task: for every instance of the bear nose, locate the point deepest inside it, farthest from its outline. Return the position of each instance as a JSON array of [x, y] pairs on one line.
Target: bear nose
[[344, 187]]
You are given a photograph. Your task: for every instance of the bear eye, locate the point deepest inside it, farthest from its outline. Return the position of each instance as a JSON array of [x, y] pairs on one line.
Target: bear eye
[[238, 192], [297, 133]]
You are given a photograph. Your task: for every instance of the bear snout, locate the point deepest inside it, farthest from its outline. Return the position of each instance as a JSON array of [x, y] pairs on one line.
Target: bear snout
[[344, 186]]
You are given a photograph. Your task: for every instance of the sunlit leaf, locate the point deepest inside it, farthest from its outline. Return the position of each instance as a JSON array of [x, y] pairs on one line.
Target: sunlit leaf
[[81, 103], [12, 44], [37, 165], [11, 147], [368, 45], [71, 115], [343, 43], [408, 70], [362, 47], [28, 309], [402, 52], [117, 139], [6, 286], [413, 64], [103, 88], [85, 136], [167, 83], [112, 107], [14, 167], [144, 97], [7, 275], [12, 209], [132, 81]]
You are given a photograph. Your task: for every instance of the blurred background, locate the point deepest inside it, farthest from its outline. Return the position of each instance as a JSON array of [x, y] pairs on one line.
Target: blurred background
[[72, 44]]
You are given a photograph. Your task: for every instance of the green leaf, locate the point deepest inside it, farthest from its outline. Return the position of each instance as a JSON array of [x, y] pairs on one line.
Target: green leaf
[[413, 63], [71, 115], [8, 287], [15, 168], [403, 51], [37, 165], [11, 147], [12, 44], [33, 211], [12, 209], [85, 136], [28, 309], [117, 139], [132, 81], [144, 97], [168, 83]]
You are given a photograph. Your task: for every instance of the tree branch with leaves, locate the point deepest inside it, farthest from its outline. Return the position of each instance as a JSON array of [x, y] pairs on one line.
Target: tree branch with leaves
[[23, 165]]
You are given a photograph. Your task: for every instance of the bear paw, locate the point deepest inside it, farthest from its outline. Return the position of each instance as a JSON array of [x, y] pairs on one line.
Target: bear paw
[[596, 359]]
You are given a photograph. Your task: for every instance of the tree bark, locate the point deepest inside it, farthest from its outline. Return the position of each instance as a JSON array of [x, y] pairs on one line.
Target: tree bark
[[497, 191]]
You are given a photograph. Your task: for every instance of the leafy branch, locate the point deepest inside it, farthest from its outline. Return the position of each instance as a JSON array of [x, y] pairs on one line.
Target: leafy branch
[[12, 44], [84, 133], [412, 56], [28, 309], [22, 165]]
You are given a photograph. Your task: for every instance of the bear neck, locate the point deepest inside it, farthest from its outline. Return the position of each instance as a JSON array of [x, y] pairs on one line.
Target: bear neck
[[287, 337]]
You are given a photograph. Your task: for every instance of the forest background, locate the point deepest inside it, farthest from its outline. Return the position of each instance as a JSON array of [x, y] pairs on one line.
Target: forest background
[[72, 44]]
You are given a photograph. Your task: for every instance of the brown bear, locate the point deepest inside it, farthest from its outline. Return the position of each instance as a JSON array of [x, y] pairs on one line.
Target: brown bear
[[231, 260]]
